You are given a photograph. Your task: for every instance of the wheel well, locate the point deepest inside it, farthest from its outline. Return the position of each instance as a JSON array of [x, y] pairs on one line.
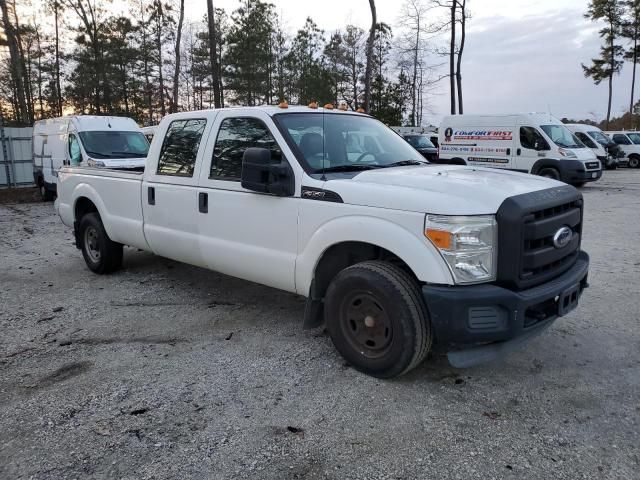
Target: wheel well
[[457, 161], [335, 259], [83, 206]]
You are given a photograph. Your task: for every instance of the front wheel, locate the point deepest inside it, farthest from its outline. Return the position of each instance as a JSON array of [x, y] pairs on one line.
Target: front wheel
[[101, 254], [634, 162], [550, 172], [377, 320]]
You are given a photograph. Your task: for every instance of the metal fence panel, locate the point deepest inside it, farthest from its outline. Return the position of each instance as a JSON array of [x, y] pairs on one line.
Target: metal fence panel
[[16, 157]]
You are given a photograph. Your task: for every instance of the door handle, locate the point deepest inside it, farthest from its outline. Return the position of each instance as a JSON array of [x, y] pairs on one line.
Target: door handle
[[508, 151], [151, 195], [519, 152], [203, 202]]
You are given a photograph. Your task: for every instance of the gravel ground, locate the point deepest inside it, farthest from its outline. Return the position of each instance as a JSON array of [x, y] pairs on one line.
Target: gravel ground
[[169, 371]]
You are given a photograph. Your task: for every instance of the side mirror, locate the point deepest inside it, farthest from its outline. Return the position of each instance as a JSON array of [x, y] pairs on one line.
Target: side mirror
[[261, 174]]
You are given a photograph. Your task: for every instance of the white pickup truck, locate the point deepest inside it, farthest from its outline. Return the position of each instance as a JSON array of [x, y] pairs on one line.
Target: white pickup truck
[[392, 253]]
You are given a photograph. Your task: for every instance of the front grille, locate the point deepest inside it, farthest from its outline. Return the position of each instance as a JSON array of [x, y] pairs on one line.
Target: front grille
[[592, 165], [527, 224]]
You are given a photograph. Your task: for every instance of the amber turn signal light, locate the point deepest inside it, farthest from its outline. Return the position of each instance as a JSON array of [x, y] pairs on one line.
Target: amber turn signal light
[[439, 238]]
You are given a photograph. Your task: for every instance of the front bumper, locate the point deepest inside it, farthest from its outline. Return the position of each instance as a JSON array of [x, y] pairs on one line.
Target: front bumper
[[573, 171], [481, 322]]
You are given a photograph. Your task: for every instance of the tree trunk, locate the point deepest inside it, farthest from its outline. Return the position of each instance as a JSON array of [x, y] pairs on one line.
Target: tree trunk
[[17, 78], [56, 5], [452, 54], [367, 75], [160, 62], [463, 22], [215, 72], [414, 86], [40, 100], [176, 73]]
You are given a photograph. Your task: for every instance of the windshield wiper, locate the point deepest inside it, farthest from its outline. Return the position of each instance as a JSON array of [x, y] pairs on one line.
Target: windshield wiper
[[98, 154], [129, 154], [349, 168], [406, 163]]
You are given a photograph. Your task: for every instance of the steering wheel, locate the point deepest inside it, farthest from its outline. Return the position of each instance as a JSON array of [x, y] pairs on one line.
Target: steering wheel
[[365, 154]]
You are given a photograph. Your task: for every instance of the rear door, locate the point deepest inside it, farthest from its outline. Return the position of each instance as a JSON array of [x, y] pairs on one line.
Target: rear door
[[169, 193], [243, 233]]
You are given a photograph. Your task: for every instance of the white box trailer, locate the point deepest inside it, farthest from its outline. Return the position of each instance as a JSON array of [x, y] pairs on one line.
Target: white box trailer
[[85, 140], [531, 142]]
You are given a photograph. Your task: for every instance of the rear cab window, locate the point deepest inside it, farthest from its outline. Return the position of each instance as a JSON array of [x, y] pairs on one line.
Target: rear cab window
[[180, 147]]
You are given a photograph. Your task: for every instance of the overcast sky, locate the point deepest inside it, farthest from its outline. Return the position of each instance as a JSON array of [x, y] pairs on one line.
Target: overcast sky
[[520, 56]]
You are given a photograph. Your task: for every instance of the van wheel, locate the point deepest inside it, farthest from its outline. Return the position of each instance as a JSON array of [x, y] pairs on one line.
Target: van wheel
[[634, 162], [377, 320], [549, 173], [100, 253], [46, 194], [578, 184]]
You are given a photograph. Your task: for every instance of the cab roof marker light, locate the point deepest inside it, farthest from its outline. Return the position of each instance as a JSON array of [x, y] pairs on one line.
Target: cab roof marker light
[[313, 105], [283, 104], [328, 106], [343, 106], [360, 110]]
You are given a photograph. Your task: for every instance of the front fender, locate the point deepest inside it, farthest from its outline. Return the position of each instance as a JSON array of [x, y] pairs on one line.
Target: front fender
[[416, 251]]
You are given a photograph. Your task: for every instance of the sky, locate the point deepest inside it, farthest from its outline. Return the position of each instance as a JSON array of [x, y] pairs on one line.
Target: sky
[[520, 55]]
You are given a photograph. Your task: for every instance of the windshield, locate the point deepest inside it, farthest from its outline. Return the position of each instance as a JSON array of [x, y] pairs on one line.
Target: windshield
[[561, 136], [600, 137], [419, 141], [112, 144], [635, 138], [343, 142]]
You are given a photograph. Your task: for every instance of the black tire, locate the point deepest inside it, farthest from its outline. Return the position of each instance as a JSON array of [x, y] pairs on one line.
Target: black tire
[[549, 172], [46, 194], [399, 336], [634, 162], [101, 254], [578, 184]]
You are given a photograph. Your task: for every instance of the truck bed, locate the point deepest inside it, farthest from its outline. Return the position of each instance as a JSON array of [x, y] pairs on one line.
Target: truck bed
[[115, 193]]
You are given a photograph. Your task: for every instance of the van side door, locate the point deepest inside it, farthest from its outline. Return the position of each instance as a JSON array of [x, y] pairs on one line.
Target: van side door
[[531, 147], [169, 190], [246, 234]]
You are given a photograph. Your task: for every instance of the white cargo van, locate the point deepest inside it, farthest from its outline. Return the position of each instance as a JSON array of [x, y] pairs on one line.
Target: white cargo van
[[629, 143], [605, 149], [93, 141], [534, 143]]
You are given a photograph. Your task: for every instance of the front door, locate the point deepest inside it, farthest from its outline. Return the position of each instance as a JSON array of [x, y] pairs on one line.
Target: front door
[[245, 234], [532, 147]]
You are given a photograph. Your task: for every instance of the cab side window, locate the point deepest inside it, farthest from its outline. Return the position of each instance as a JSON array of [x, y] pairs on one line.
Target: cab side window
[[584, 138], [180, 147], [530, 138], [621, 139], [75, 154], [234, 137]]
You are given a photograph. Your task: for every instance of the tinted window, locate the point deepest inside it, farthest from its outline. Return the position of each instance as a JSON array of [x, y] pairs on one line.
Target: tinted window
[[234, 137], [180, 147], [584, 138], [621, 139], [419, 141], [531, 138]]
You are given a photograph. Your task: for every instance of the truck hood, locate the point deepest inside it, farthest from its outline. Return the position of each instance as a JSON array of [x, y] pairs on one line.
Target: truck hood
[[438, 189]]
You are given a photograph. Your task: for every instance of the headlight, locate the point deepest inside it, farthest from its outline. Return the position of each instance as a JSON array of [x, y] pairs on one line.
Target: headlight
[[566, 153], [467, 244]]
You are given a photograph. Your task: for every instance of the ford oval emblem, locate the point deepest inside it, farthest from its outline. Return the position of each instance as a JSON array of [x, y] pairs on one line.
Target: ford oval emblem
[[562, 237]]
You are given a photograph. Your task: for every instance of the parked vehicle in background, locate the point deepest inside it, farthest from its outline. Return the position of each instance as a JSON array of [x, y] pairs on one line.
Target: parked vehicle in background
[[423, 145], [391, 252], [629, 143], [535, 143], [149, 132], [609, 154], [112, 142]]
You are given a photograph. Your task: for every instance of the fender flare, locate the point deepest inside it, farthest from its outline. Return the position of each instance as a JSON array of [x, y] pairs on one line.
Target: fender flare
[[418, 253], [84, 190]]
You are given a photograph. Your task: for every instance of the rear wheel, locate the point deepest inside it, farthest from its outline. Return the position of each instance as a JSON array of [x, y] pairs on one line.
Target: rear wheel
[[377, 319], [101, 254], [550, 172], [634, 162], [46, 194]]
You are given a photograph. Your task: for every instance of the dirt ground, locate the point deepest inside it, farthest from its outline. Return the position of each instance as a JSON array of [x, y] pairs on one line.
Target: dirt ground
[[164, 370]]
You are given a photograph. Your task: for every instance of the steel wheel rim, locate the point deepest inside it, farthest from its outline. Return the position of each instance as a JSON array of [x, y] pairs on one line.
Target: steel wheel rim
[[91, 244], [366, 325]]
